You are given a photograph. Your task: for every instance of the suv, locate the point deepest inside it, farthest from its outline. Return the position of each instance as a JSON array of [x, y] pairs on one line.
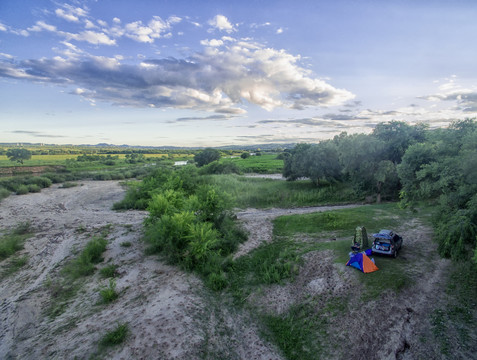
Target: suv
[[386, 242]]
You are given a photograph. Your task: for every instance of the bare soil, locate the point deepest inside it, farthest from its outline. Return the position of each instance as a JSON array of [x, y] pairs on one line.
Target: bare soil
[[169, 312]]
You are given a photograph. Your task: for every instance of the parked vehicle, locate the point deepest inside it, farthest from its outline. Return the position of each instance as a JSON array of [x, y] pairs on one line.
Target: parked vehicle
[[386, 242]]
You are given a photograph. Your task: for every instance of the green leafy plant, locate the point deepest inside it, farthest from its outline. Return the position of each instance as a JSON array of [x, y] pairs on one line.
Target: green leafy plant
[[115, 336], [109, 271], [108, 293]]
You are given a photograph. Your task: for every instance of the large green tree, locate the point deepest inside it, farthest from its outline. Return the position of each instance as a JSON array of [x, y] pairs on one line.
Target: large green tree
[[207, 156], [19, 155]]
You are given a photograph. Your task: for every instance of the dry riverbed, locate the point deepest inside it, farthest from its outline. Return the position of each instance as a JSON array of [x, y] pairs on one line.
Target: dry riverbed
[[169, 313]]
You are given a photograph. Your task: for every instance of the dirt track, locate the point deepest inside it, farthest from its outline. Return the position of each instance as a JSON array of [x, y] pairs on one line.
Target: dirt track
[[169, 313]]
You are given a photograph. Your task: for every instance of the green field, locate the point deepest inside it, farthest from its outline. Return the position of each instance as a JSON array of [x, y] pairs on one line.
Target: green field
[[264, 164]]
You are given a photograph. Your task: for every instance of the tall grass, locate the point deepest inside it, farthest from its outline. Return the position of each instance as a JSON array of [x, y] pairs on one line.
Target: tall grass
[[265, 164], [265, 193], [67, 285], [12, 241]]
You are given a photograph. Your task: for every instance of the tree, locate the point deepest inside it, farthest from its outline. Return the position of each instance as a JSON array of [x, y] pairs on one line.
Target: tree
[[207, 156], [396, 137], [19, 155], [245, 155]]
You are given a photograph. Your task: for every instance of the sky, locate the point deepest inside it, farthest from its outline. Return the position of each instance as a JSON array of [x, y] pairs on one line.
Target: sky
[[216, 73]]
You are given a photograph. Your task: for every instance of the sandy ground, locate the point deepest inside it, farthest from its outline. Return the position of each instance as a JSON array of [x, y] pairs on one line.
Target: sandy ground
[[165, 308], [170, 314]]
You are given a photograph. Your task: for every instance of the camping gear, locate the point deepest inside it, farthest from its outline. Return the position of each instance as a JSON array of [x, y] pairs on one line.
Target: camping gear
[[360, 237], [362, 262]]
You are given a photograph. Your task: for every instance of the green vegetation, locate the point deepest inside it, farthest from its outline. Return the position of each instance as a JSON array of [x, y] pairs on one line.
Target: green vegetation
[[13, 265], [109, 271], [18, 155], [108, 293], [452, 325], [70, 278], [207, 156], [12, 241], [264, 193], [409, 162], [264, 164], [116, 336]]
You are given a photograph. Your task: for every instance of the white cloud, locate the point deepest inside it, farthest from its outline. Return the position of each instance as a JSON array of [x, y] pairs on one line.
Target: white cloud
[[89, 24], [155, 29], [7, 56], [220, 79], [212, 42], [221, 23], [116, 20], [3, 27], [279, 30], [40, 26], [67, 16], [92, 37]]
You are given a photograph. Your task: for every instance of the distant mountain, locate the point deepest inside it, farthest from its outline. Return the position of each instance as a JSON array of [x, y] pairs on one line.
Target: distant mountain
[[253, 147]]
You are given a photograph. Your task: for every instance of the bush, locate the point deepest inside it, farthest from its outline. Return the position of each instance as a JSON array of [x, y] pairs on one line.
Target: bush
[[115, 336], [109, 271], [108, 293], [55, 178], [4, 193], [41, 181], [226, 167], [34, 188], [22, 190]]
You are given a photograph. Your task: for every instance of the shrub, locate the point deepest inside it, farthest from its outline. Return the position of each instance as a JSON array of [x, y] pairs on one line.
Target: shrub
[[115, 336], [4, 193], [109, 271], [108, 293], [68, 185], [91, 255], [22, 190], [217, 281], [41, 181], [34, 188]]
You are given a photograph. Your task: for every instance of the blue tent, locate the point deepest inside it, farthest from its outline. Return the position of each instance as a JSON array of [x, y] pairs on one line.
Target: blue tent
[[362, 262]]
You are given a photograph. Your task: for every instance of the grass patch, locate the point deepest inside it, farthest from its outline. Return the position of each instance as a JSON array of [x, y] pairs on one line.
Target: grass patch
[[265, 193], [14, 265], [109, 271], [68, 185], [392, 274], [108, 293], [454, 325], [116, 336], [301, 333], [84, 264], [65, 288], [343, 222], [270, 263], [13, 241], [265, 164], [126, 244]]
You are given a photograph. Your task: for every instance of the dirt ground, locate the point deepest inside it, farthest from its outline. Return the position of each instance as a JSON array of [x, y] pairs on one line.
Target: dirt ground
[[170, 314]]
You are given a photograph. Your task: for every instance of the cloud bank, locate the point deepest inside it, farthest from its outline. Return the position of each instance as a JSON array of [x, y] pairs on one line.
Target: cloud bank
[[224, 77]]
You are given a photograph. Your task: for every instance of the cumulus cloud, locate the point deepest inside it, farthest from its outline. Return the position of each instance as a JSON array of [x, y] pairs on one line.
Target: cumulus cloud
[[466, 99], [221, 23], [220, 79], [212, 42], [40, 26], [92, 37], [154, 29]]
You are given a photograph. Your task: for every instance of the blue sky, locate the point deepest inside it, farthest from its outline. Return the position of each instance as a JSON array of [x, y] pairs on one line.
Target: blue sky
[[212, 73]]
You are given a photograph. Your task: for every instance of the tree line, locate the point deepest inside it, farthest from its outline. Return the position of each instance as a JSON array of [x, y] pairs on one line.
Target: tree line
[[398, 161]]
